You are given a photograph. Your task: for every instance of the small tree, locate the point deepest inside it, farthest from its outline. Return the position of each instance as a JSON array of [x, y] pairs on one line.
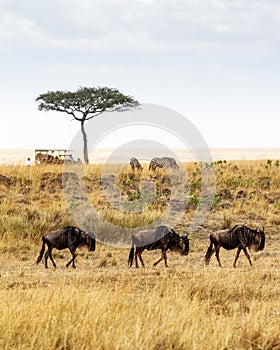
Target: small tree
[[84, 104]]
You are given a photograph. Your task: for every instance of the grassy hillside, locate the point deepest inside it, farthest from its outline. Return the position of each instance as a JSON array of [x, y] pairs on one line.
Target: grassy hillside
[[103, 304]]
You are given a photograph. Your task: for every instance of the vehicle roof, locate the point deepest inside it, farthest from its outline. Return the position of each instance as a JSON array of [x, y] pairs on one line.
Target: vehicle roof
[[52, 150]]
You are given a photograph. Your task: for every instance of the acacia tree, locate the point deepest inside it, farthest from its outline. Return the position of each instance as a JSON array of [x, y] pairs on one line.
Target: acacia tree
[[85, 104]]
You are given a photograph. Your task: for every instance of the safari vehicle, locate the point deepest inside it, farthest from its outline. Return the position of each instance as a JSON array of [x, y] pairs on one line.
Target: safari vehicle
[[53, 156]]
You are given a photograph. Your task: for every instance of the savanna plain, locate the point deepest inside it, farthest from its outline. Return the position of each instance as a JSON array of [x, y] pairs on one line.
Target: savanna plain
[[104, 305]]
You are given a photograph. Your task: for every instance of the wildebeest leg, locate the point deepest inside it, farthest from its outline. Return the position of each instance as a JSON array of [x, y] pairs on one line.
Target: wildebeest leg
[[158, 261], [49, 254], [210, 251], [72, 260], [140, 251], [135, 257], [141, 259], [248, 256], [209, 255], [46, 259], [217, 251], [237, 256], [136, 261], [163, 257]]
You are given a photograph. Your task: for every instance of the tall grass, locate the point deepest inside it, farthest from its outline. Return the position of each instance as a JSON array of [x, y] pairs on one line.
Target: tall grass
[[33, 200], [180, 308], [103, 304]]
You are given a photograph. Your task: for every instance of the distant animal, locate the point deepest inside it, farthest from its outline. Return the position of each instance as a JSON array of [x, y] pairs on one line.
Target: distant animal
[[162, 238], [134, 164], [164, 162], [69, 237], [239, 237], [41, 158], [172, 162]]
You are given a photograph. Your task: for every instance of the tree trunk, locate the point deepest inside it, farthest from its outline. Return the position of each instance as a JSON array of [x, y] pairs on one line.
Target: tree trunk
[[85, 143]]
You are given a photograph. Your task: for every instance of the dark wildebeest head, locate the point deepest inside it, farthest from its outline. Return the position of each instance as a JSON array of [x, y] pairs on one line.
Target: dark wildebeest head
[[89, 240], [239, 237], [179, 244], [258, 240], [69, 237], [162, 238]]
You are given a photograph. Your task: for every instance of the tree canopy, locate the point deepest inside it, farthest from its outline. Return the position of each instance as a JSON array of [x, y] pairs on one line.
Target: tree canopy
[[86, 103]]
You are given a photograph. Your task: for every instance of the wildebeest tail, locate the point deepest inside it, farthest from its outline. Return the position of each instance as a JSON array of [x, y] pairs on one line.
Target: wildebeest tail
[[131, 253], [41, 252], [209, 251]]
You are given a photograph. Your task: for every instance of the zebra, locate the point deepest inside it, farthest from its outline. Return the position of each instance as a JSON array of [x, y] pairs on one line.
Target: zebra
[[172, 162], [134, 163], [165, 162]]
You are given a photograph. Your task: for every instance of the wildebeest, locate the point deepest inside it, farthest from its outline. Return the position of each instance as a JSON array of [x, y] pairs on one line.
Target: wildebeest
[[162, 238], [239, 237], [135, 164], [69, 237]]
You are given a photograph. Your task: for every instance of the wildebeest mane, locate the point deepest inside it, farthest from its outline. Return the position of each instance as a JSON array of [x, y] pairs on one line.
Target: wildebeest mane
[[92, 240], [248, 234], [162, 233], [172, 242]]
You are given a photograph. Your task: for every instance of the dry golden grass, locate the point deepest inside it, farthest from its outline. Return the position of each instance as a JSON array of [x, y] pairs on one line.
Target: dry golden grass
[[104, 305]]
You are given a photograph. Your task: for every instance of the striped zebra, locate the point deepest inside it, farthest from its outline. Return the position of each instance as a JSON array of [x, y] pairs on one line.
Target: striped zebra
[[134, 163], [165, 162]]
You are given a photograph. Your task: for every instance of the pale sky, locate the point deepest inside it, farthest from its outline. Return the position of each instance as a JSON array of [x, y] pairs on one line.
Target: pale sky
[[217, 62]]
